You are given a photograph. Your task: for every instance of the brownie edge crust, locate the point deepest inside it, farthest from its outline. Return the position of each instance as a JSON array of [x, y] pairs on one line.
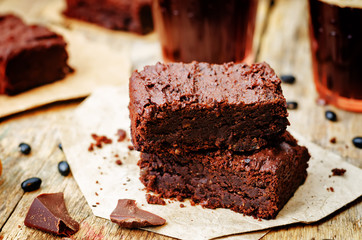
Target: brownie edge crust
[[257, 184], [191, 107]]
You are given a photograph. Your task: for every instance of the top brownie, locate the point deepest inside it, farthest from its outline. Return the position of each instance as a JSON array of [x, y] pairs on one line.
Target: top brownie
[[30, 55], [190, 107]]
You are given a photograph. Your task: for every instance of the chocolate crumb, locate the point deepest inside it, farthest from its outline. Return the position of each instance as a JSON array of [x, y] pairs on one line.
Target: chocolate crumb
[[338, 171], [119, 162], [19, 226], [101, 189], [99, 141], [96, 193], [153, 199], [121, 135], [97, 203], [330, 189], [128, 215], [94, 205], [333, 140], [116, 155], [130, 147], [128, 180], [182, 205], [97, 182]]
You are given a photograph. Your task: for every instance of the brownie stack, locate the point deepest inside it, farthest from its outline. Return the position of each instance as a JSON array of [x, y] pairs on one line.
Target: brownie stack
[[216, 134]]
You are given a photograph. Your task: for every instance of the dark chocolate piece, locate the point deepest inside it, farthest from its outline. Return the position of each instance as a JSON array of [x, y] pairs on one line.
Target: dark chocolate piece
[[128, 15], [191, 107], [48, 213], [128, 215], [257, 184], [30, 56]]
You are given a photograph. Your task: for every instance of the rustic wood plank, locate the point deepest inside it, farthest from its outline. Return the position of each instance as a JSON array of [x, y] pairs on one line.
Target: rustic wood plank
[[284, 45], [286, 48]]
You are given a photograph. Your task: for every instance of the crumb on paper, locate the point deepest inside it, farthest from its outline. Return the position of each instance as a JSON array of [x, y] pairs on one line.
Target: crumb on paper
[[330, 189], [333, 140], [122, 134], [338, 171], [99, 141], [153, 199]]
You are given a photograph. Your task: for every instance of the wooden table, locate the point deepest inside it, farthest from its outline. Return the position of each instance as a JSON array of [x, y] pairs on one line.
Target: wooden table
[[284, 44]]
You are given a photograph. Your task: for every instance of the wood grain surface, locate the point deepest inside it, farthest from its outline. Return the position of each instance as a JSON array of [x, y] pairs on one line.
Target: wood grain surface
[[284, 45]]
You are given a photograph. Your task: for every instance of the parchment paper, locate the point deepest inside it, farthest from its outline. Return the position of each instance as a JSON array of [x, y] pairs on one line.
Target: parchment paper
[[105, 111]]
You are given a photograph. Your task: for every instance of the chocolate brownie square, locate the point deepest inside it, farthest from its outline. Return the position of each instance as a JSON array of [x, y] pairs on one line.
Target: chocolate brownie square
[[257, 184], [190, 107], [30, 56], [128, 15]]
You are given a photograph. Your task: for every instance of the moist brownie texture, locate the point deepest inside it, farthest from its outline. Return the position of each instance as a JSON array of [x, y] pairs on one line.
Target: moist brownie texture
[[30, 56], [190, 107], [129, 15], [257, 184]]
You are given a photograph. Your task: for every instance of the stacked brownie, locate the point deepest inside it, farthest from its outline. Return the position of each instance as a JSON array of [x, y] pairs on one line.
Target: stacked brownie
[[30, 56], [216, 134], [128, 15]]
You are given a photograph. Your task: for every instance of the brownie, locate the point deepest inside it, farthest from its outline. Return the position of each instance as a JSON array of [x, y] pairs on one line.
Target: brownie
[[257, 183], [129, 15], [30, 56], [190, 107]]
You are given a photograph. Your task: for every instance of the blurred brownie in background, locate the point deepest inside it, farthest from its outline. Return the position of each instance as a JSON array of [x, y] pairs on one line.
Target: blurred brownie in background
[[128, 15], [30, 56]]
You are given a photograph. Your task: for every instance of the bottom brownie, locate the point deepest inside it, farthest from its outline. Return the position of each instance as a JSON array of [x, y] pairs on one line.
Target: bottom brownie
[[257, 184]]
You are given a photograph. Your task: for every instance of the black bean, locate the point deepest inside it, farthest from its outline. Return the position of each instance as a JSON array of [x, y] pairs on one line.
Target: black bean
[[357, 142], [63, 168], [290, 79], [24, 148], [292, 105], [60, 146], [31, 184], [331, 116]]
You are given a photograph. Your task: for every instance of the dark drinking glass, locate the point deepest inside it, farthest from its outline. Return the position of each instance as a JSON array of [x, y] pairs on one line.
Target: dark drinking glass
[[214, 31], [336, 42]]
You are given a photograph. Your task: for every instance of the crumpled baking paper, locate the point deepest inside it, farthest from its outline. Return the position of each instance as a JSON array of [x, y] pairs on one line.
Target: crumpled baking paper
[[106, 111]]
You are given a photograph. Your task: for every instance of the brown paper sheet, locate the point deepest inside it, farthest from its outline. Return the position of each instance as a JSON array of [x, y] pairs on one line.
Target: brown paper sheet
[[105, 111]]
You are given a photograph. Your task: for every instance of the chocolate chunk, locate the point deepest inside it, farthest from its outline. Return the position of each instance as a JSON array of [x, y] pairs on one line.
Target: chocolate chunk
[[128, 215], [48, 213]]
